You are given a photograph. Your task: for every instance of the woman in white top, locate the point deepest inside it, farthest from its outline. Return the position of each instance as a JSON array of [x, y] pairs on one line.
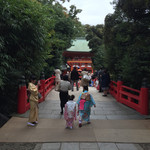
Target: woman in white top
[[57, 78]]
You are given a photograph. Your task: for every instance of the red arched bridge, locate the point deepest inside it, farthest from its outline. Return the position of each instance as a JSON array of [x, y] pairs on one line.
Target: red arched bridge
[[136, 99]]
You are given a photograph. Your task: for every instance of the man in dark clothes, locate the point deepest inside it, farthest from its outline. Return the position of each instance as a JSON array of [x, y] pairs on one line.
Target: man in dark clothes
[[105, 82], [100, 72], [64, 87], [74, 78]]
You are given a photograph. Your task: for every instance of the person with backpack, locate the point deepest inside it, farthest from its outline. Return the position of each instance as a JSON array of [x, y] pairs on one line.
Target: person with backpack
[[85, 102], [85, 79]]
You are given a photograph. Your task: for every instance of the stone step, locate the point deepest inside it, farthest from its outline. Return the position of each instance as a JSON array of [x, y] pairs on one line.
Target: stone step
[[53, 130]]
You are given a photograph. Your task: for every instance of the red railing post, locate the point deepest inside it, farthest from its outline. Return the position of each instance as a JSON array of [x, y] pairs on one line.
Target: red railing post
[[42, 82], [22, 96], [119, 84], [144, 98], [110, 87]]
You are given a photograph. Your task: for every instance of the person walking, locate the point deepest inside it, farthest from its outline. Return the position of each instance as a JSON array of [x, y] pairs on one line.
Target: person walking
[[64, 87], [57, 79], [100, 72], [70, 112], [33, 99], [85, 102], [85, 79], [105, 81], [79, 72], [74, 78]]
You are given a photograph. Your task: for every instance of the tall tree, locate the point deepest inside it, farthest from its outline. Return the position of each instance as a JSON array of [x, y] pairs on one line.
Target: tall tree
[[126, 39], [23, 45], [33, 35], [95, 38], [66, 28]]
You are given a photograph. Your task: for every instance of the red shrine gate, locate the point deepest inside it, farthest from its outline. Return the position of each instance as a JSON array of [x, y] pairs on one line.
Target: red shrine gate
[[79, 59], [79, 55]]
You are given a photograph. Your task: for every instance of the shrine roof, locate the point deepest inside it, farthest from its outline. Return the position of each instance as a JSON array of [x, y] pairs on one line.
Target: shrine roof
[[79, 45]]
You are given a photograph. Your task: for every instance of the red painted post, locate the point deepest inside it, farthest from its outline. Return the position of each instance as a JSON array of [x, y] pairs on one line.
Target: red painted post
[[144, 98], [119, 84], [22, 96], [42, 81], [110, 87]]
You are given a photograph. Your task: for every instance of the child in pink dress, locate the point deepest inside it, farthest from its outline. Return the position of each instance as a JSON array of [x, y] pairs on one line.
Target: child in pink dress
[[70, 112]]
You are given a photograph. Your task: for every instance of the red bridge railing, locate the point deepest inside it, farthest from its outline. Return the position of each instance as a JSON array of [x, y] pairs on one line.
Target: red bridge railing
[[44, 88], [136, 99]]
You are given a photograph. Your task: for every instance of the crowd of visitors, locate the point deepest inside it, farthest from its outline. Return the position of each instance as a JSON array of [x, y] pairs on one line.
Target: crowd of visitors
[[83, 78], [65, 81]]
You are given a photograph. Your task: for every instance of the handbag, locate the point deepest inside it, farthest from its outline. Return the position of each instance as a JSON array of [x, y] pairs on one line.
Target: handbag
[[28, 93], [39, 96], [57, 87], [86, 77]]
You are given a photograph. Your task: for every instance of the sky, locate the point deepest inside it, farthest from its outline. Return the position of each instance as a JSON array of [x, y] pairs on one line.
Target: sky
[[93, 11]]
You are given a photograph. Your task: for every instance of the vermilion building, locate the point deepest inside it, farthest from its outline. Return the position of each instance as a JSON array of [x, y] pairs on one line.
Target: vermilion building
[[79, 55]]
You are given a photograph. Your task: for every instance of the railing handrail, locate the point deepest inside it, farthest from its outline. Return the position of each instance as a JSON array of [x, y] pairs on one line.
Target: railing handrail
[[47, 80], [114, 82], [127, 96], [131, 89]]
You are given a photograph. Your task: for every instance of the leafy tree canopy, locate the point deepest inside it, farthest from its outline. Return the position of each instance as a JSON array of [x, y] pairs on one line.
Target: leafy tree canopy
[[33, 35], [126, 39], [95, 38]]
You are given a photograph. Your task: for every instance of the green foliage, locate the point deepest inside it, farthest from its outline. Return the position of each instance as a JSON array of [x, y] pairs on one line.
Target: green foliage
[[126, 39], [98, 58], [74, 11], [33, 36], [24, 38], [66, 28], [95, 38]]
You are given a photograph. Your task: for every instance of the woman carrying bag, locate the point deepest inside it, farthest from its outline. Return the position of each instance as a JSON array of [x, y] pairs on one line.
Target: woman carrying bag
[[33, 98]]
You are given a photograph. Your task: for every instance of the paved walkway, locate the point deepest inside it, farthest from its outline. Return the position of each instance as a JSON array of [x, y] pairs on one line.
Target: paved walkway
[[114, 127], [107, 107]]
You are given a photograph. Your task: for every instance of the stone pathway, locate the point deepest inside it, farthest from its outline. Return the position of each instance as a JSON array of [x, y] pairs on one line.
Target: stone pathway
[[107, 109]]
